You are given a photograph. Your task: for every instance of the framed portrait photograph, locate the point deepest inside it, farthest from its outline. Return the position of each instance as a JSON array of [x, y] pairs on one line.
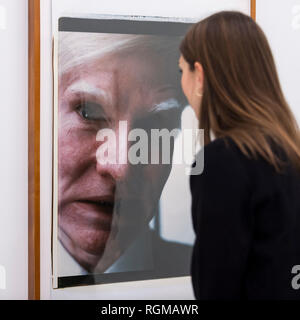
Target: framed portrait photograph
[[109, 204], [116, 75]]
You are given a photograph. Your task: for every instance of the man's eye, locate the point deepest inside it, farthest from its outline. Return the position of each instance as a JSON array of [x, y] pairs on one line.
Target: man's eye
[[90, 111]]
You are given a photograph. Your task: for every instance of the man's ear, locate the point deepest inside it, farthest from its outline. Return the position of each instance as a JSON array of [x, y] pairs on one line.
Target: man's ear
[[199, 74]]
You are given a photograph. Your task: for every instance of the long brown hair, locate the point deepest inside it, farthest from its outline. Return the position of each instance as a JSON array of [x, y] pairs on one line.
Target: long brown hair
[[242, 97]]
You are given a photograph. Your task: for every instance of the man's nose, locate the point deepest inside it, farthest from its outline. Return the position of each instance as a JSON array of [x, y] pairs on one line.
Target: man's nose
[[117, 172], [112, 155]]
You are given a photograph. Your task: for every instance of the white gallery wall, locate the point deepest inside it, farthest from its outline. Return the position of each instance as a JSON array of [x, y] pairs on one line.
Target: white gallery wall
[[13, 149], [279, 19]]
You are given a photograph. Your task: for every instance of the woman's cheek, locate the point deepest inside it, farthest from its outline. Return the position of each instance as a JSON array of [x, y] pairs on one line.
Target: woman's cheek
[[182, 85]]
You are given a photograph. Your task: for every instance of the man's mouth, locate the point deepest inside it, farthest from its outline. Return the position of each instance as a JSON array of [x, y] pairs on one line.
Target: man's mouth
[[104, 204]]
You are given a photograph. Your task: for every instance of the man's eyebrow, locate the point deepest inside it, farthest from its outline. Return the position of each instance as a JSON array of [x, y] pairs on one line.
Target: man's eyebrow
[[169, 104], [84, 88]]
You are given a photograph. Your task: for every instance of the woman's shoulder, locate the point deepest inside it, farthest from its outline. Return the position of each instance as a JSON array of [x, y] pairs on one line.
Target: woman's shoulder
[[222, 160], [224, 151], [224, 146], [220, 154]]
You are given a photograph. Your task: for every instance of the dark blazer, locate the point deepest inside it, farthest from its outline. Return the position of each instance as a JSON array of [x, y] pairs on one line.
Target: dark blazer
[[246, 218]]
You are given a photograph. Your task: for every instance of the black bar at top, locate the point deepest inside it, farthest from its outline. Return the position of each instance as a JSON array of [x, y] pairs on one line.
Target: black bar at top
[[123, 26]]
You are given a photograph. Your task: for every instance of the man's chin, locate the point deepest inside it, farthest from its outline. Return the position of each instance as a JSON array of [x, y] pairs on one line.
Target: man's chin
[[101, 260], [97, 250], [97, 258], [86, 250]]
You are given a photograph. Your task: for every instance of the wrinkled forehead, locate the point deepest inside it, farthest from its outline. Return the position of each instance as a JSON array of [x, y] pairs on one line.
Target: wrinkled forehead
[[76, 48]]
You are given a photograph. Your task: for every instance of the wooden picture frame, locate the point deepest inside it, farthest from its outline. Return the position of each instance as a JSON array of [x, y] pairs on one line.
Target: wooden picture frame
[[34, 149], [34, 69]]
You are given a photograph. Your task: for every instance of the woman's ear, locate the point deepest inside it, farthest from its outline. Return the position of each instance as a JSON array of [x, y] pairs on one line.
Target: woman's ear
[[199, 75]]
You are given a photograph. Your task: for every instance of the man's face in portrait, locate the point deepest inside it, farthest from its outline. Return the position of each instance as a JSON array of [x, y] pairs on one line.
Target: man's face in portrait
[[102, 207]]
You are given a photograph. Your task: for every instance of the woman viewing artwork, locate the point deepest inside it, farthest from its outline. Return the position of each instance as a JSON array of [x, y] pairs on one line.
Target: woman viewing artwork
[[246, 203]]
